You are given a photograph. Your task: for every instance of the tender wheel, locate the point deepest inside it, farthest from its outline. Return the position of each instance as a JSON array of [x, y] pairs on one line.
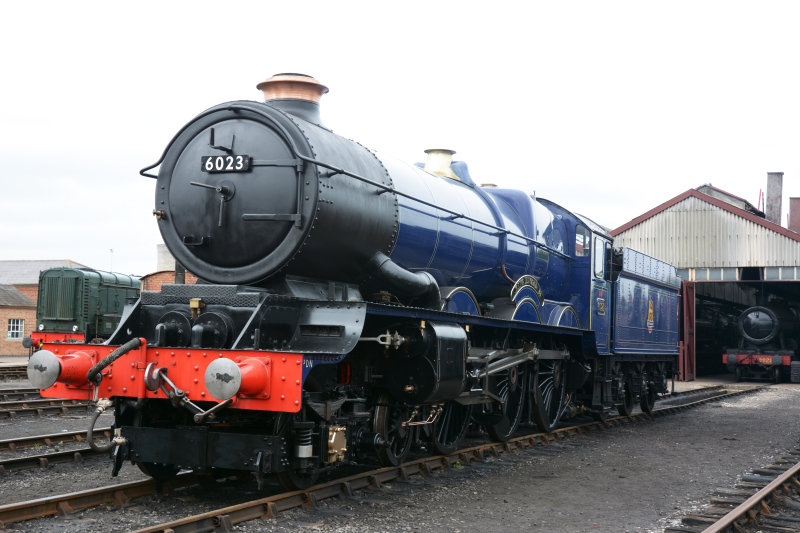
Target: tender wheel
[[158, 471], [625, 408], [548, 390], [509, 385], [295, 479], [389, 417], [647, 399], [450, 427]]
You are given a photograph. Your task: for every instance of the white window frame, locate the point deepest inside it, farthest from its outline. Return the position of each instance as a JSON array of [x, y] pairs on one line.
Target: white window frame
[[599, 263], [16, 328]]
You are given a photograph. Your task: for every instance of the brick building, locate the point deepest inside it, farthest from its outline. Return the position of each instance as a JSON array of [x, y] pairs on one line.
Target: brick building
[[19, 292], [17, 317], [165, 271], [154, 281]]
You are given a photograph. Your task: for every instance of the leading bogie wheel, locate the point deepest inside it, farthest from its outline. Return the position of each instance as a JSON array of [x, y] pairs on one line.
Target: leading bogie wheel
[[295, 478], [388, 422], [158, 471]]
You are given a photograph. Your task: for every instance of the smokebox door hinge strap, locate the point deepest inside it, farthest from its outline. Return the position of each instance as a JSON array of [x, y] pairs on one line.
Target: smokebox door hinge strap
[[270, 217], [297, 163]]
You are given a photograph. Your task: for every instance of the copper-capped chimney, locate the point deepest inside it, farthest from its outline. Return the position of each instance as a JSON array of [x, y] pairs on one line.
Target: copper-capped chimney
[[297, 94]]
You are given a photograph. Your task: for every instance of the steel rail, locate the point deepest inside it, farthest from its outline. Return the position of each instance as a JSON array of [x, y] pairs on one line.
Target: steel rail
[[264, 508], [755, 504], [7, 395], [50, 439]]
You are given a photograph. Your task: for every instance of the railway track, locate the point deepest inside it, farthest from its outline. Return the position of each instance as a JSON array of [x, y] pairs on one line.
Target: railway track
[[49, 440], [270, 506], [43, 460], [13, 372], [767, 499], [40, 407], [111, 494], [7, 395], [46, 459]]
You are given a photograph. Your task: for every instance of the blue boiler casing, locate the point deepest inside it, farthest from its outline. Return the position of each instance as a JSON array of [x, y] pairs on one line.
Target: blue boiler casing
[[514, 232]]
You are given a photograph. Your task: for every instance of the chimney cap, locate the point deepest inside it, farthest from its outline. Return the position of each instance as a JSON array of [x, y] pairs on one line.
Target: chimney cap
[[292, 86]]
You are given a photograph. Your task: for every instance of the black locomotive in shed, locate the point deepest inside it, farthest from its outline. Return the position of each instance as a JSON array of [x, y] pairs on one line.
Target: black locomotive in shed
[[769, 342]]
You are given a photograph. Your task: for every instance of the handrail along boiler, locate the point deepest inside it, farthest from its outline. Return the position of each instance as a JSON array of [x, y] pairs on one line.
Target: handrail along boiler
[[353, 306]]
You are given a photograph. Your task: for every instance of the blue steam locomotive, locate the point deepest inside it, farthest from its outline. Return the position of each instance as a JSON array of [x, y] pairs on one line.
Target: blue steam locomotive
[[352, 306]]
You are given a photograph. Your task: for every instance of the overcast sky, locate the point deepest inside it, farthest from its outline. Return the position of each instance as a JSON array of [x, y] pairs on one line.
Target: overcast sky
[[608, 108]]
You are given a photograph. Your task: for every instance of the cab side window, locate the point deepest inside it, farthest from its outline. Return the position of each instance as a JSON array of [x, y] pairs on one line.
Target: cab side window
[[583, 242], [599, 258]]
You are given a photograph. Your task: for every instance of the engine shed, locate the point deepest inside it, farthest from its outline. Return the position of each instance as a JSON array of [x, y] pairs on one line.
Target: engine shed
[[731, 257]]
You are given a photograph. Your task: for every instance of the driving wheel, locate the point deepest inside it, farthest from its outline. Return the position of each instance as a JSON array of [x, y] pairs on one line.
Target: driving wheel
[[510, 386], [548, 391]]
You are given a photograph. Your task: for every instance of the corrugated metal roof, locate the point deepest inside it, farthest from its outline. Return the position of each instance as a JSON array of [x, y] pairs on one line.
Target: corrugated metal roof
[[697, 232], [11, 297], [26, 272], [725, 206]]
